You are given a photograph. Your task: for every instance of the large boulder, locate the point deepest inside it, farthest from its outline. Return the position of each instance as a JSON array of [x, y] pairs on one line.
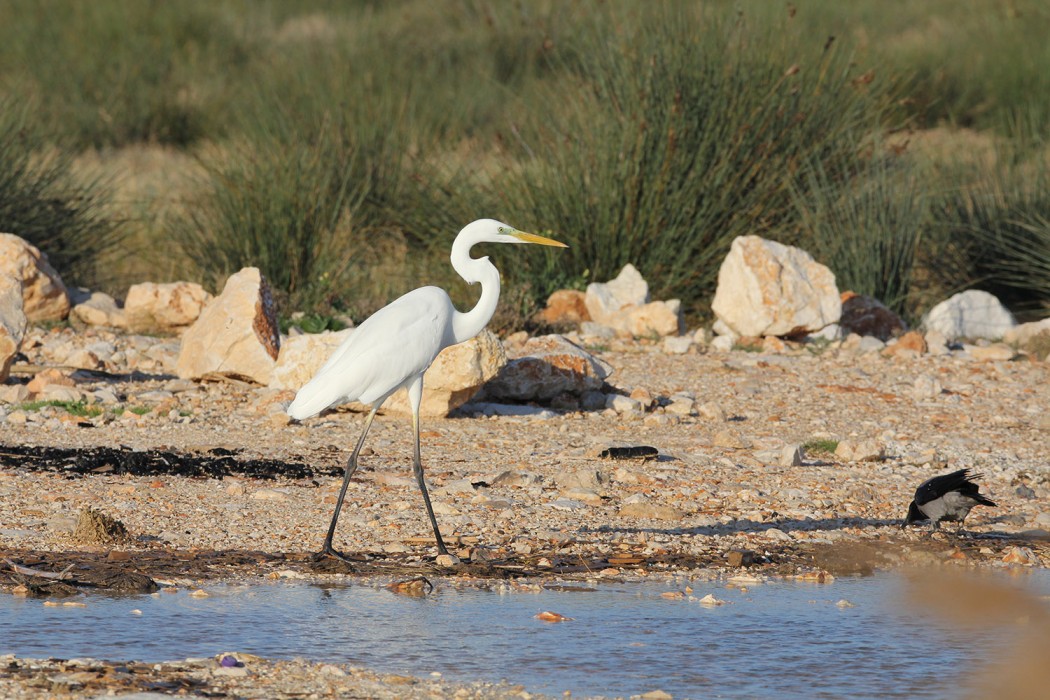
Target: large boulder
[[236, 335], [971, 314], [12, 322], [43, 294], [548, 366], [171, 307], [767, 288]]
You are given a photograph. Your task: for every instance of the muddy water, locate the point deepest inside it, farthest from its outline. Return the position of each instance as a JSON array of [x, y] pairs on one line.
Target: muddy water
[[851, 638]]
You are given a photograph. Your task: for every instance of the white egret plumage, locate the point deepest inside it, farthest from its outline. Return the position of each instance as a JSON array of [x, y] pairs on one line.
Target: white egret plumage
[[394, 346]]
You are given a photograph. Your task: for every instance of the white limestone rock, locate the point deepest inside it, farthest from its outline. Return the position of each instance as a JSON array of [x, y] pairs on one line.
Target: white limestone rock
[[971, 314], [766, 288]]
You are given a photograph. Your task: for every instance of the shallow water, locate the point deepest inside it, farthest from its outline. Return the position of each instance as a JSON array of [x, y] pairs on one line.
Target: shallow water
[[787, 639]]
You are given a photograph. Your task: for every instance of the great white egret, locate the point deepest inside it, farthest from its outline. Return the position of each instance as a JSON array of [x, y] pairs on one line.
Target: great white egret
[[394, 346]]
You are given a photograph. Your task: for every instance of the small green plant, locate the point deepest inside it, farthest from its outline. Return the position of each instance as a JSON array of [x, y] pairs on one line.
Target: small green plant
[[138, 410], [74, 408], [311, 323], [820, 446]]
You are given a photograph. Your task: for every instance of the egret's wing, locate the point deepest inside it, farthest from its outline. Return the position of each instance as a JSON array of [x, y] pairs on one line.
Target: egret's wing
[[394, 344]]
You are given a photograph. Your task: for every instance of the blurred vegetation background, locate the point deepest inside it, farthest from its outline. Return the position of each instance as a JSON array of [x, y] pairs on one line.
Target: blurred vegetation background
[[339, 146]]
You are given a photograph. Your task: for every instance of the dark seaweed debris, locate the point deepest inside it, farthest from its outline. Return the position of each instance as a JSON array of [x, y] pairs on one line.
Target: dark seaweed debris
[[216, 464], [643, 452]]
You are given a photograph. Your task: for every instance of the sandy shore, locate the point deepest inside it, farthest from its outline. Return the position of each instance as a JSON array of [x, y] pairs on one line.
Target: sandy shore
[[530, 497]]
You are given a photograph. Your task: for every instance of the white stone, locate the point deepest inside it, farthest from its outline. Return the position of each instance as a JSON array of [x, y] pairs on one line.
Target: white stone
[[722, 343], [970, 314], [767, 288], [604, 299], [455, 376], [172, 306], [97, 309], [302, 355]]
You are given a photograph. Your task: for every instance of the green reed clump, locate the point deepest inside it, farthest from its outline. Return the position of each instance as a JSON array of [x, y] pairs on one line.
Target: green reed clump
[[866, 224], [42, 202], [690, 131], [994, 233]]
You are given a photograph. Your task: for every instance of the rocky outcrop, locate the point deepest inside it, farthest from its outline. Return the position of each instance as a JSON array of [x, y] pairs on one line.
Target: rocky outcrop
[[44, 297], [236, 334], [766, 288]]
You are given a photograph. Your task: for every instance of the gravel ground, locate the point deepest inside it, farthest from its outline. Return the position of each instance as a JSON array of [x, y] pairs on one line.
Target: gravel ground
[[530, 496]]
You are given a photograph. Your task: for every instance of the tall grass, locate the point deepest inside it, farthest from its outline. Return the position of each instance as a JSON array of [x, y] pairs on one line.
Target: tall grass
[[690, 131], [866, 225], [996, 231], [43, 203]]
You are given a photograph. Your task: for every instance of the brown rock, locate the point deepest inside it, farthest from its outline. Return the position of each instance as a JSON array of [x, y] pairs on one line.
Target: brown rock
[[236, 334], [551, 366], [44, 297], [565, 307], [95, 527], [49, 377], [865, 315], [739, 557], [912, 341]]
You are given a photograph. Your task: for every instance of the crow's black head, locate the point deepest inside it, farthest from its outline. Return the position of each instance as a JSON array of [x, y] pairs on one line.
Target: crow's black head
[[914, 515]]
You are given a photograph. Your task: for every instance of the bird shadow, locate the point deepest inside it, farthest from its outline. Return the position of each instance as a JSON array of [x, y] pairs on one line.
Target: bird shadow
[[749, 526]]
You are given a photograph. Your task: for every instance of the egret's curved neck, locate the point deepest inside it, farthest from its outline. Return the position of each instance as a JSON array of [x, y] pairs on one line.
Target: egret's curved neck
[[467, 325]]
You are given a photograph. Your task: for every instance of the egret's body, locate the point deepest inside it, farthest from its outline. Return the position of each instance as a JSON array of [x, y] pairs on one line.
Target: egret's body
[[394, 347]]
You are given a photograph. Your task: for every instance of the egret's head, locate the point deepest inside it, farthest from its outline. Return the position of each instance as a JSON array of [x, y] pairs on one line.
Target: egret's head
[[492, 231]]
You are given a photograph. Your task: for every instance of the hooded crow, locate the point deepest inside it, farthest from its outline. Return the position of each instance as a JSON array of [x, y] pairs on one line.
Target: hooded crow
[[946, 497]]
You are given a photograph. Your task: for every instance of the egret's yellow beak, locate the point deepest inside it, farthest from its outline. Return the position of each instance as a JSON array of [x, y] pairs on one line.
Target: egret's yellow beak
[[533, 238]]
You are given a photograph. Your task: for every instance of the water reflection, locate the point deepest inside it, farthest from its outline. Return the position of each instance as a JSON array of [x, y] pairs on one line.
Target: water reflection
[[788, 639]]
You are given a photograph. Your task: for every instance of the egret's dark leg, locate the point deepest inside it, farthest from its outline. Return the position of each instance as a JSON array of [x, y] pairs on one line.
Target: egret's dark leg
[[415, 395], [351, 467]]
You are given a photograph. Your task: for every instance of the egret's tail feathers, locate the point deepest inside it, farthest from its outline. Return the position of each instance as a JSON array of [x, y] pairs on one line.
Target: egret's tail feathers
[[312, 399]]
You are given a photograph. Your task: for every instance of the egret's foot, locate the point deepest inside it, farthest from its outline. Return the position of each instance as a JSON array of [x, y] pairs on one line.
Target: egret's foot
[[328, 551]]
